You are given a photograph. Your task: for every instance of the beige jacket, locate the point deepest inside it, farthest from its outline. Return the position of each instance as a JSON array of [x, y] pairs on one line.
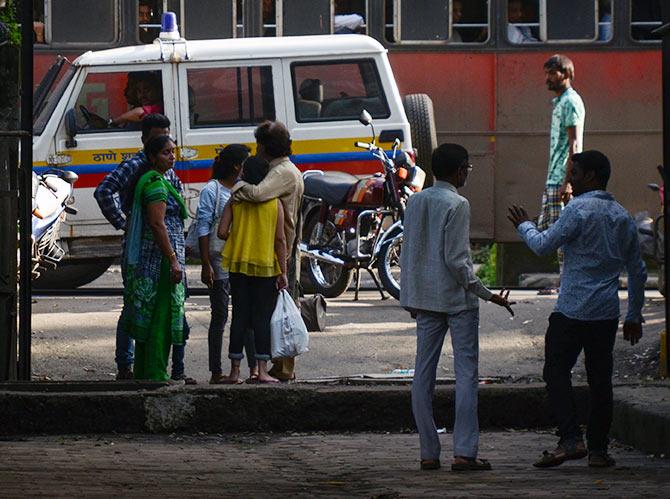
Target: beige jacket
[[284, 181]]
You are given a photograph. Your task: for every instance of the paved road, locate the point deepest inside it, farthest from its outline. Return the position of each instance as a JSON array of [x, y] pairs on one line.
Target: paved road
[[73, 338], [306, 465]]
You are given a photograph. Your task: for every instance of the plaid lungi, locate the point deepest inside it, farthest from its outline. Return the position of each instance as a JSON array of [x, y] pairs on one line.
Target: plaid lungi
[[551, 207]]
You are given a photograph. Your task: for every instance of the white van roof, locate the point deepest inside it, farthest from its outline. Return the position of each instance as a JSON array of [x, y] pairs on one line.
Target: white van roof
[[236, 48]]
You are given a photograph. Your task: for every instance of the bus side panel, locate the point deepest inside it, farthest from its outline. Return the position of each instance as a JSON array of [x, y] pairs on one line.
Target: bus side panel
[[462, 87], [622, 94]]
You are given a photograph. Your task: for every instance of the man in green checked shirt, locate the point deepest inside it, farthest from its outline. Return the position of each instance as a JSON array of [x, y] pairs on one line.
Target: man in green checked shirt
[[566, 138]]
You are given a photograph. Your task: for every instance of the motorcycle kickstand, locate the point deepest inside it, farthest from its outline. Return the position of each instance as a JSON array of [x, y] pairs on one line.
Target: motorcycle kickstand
[[358, 282], [374, 278]]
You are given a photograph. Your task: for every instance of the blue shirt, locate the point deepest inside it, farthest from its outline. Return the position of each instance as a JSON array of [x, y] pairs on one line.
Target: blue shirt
[[208, 214], [112, 193], [599, 239]]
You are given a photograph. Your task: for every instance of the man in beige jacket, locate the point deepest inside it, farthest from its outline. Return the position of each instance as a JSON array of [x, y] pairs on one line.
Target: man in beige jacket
[[283, 181]]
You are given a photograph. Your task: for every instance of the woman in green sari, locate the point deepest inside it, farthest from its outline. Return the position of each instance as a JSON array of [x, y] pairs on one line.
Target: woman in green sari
[[154, 264]]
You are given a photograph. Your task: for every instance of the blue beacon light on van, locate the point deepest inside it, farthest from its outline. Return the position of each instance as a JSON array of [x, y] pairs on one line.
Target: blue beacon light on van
[[169, 30]]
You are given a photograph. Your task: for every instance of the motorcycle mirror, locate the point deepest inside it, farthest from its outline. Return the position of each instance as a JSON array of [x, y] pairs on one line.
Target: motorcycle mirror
[[365, 118], [71, 128], [69, 176], [654, 187]]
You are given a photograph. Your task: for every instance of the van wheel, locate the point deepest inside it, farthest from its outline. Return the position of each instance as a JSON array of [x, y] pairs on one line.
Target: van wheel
[[72, 274], [421, 117]]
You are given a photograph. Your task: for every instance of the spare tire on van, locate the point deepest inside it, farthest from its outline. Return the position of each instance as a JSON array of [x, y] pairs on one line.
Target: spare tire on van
[[421, 118]]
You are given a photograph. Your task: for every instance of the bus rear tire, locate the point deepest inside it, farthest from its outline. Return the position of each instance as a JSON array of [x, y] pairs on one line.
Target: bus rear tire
[[421, 118], [72, 274]]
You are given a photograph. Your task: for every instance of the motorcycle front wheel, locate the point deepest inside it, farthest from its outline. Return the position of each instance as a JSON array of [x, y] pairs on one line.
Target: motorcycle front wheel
[[328, 279], [388, 266]]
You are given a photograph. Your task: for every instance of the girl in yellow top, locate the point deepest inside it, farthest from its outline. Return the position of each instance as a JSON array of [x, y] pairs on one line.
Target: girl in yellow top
[[255, 257]]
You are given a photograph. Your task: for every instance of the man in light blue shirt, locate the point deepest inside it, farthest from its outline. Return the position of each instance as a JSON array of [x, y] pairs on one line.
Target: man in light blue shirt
[[599, 239]]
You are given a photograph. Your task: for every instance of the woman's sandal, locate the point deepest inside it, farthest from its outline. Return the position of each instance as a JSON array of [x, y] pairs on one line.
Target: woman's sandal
[[559, 455], [470, 464], [430, 464]]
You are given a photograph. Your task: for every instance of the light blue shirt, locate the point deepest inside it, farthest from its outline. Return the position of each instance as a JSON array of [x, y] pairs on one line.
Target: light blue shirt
[[206, 217], [599, 239], [568, 111]]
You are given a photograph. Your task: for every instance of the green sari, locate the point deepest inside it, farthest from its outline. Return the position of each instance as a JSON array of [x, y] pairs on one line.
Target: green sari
[[153, 306]]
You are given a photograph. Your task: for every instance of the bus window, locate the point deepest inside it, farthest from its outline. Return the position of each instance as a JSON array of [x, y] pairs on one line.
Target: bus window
[[230, 96], [566, 21], [118, 101], [337, 90], [38, 21], [605, 30], [148, 22], [469, 21], [349, 17], [645, 17], [304, 17], [523, 22], [422, 21], [209, 19], [72, 22]]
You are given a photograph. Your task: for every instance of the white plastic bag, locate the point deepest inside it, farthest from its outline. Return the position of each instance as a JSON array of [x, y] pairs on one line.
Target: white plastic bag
[[288, 334]]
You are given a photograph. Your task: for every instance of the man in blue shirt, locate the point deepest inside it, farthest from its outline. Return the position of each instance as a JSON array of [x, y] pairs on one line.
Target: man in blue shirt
[[114, 202], [599, 239]]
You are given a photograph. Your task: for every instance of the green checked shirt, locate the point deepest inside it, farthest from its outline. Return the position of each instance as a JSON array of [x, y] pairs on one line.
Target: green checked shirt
[[568, 111]]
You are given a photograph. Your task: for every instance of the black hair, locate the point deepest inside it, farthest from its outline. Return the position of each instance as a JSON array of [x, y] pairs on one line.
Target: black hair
[[596, 162], [275, 139], [155, 120], [254, 170], [155, 145], [224, 164], [447, 159], [561, 63]]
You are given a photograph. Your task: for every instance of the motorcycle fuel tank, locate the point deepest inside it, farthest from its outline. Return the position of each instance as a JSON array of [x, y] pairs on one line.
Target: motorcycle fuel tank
[[368, 192]]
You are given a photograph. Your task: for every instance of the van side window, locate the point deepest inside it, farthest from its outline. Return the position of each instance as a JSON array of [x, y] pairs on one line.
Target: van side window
[[230, 96], [337, 90], [645, 18], [122, 97]]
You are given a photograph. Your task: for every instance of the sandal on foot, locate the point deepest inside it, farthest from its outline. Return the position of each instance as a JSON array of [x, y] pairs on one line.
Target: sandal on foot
[[561, 454], [601, 460], [430, 464], [228, 381], [471, 464]]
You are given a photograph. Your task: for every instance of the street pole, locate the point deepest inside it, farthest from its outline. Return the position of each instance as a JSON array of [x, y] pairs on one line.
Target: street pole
[[25, 198], [665, 32]]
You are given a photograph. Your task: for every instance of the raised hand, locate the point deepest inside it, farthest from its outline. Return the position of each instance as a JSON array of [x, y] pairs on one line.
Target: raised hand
[[502, 300], [517, 215]]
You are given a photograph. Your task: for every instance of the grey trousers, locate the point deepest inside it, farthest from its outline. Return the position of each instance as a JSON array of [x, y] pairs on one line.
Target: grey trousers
[[431, 328]]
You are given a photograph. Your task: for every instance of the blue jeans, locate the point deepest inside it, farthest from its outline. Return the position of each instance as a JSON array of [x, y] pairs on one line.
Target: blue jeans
[[431, 328]]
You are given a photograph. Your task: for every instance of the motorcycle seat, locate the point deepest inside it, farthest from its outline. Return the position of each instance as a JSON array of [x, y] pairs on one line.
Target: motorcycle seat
[[332, 187]]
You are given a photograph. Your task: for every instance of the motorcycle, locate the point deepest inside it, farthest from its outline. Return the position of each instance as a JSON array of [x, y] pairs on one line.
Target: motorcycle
[[353, 223], [652, 235], [51, 193]]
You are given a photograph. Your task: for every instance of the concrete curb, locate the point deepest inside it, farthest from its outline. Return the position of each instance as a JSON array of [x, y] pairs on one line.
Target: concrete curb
[[253, 408], [641, 412]]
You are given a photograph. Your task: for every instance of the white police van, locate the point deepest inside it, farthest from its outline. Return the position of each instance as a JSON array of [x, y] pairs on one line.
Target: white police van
[[215, 92]]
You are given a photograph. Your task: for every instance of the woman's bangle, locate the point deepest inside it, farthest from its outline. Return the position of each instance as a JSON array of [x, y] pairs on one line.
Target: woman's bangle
[[174, 253]]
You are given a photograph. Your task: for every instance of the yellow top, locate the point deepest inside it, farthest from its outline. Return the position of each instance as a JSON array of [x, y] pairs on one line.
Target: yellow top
[[250, 248]]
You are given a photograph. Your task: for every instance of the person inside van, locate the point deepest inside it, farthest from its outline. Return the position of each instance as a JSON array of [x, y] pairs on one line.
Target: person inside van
[[144, 92], [255, 257]]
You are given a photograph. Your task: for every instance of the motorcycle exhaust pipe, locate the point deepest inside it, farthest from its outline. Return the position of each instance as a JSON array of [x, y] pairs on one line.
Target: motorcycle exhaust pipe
[[320, 255]]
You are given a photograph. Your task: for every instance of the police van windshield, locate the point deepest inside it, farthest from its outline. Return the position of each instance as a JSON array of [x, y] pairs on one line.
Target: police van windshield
[[49, 92]]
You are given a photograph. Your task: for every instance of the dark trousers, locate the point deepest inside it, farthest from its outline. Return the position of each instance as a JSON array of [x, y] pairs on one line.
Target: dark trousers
[[254, 300], [219, 297], [564, 341]]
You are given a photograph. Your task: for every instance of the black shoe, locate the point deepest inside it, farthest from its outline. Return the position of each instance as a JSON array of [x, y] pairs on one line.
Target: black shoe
[[182, 377], [601, 460], [124, 373]]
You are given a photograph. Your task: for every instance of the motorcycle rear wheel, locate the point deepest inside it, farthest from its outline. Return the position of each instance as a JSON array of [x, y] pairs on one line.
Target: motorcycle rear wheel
[[328, 279], [388, 266]]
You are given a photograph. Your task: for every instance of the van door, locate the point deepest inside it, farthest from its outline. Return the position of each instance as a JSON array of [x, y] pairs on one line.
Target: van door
[[328, 95], [100, 94], [221, 103]]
